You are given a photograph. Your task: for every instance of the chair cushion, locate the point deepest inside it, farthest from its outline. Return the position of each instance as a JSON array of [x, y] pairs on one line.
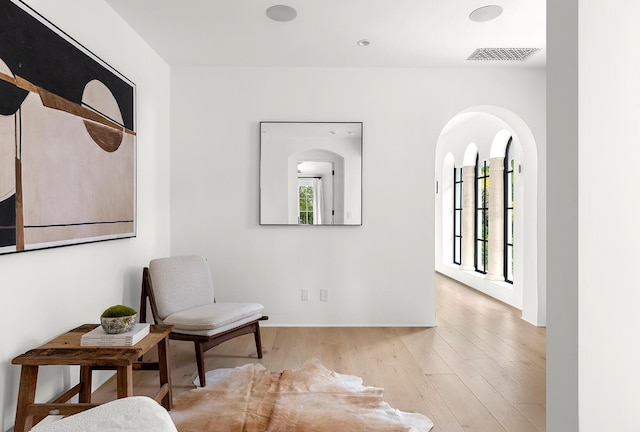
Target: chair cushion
[[211, 316], [225, 328], [180, 283]]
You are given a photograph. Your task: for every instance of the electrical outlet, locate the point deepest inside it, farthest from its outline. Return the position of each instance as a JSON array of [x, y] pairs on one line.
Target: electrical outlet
[[324, 295], [304, 295]]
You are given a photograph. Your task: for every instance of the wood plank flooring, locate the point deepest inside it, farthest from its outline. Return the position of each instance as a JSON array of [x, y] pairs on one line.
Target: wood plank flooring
[[481, 369]]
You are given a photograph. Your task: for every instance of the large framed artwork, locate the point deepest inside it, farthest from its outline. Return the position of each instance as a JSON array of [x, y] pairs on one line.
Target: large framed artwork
[[67, 139]]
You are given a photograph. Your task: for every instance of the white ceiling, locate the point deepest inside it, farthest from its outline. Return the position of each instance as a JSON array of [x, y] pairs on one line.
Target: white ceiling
[[403, 33]]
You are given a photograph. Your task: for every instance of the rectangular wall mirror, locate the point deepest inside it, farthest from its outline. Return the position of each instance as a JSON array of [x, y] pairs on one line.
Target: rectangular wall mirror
[[310, 173]]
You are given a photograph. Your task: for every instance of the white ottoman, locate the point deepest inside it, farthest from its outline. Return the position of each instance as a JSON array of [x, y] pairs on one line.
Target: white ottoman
[[132, 414]]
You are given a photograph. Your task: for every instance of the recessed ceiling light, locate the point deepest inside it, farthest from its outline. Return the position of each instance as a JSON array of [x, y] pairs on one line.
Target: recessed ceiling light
[[363, 42], [281, 13], [486, 13]]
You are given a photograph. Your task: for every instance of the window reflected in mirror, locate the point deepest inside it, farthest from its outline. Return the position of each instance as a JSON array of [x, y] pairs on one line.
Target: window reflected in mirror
[[310, 173]]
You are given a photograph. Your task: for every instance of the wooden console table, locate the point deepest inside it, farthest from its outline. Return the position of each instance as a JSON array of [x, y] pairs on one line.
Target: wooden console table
[[66, 350]]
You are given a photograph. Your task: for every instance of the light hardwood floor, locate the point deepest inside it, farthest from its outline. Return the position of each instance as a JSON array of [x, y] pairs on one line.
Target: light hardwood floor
[[481, 369]]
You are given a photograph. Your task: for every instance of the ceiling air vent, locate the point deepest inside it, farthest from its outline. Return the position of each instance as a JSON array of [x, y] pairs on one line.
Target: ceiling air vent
[[504, 54]]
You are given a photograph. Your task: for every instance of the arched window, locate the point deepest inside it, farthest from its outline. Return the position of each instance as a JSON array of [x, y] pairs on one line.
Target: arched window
[[509, 179], [457, 215], [482, 217]]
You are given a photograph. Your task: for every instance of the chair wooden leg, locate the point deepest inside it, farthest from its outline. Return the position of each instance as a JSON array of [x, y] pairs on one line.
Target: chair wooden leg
[[200, 363], [258, 339]]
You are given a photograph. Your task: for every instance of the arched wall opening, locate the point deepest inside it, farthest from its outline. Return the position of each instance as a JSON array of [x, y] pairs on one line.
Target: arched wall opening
[[335, 191], [485, 132]]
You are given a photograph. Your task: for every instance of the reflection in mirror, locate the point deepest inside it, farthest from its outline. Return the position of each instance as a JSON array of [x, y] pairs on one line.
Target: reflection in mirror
[[310, 173]]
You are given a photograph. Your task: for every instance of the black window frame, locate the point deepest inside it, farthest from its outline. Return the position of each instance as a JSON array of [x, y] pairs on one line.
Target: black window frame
[[481, 211], [457, 215], [509, 204]]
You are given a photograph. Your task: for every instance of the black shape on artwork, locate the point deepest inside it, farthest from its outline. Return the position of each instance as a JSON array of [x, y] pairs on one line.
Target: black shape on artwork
[[44, 58], [8, 221], [11, 98]]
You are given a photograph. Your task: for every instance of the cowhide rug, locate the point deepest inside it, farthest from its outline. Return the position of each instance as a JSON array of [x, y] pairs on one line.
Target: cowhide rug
[[251, 398]]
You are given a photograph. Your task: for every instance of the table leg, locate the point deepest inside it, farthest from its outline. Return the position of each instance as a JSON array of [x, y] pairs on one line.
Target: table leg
[[26, 396], [164, 370], [85, 384], [124, 379]]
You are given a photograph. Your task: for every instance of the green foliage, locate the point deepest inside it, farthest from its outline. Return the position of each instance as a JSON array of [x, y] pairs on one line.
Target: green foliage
[[118, 311], [305, 194]]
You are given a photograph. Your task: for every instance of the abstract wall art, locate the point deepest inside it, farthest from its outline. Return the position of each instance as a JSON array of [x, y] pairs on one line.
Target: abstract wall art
[[67, 139]]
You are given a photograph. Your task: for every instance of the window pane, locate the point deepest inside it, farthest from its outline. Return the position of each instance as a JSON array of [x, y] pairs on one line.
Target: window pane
[[509, 223], [485, 255], [482, 225], [511, 188], [486, 225], [480, 259], [509, 275], [485, 194]]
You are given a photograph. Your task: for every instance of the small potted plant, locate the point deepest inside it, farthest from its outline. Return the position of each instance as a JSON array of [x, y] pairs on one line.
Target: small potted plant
[[118, 319]]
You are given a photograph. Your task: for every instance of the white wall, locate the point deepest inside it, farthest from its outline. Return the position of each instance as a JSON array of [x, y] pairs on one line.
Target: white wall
[[47, 292], [378, 274], [608, 205], [562, 217], [593, 356]]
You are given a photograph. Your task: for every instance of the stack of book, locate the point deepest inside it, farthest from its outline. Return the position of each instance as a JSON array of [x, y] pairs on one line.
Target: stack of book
[[98, 337]]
